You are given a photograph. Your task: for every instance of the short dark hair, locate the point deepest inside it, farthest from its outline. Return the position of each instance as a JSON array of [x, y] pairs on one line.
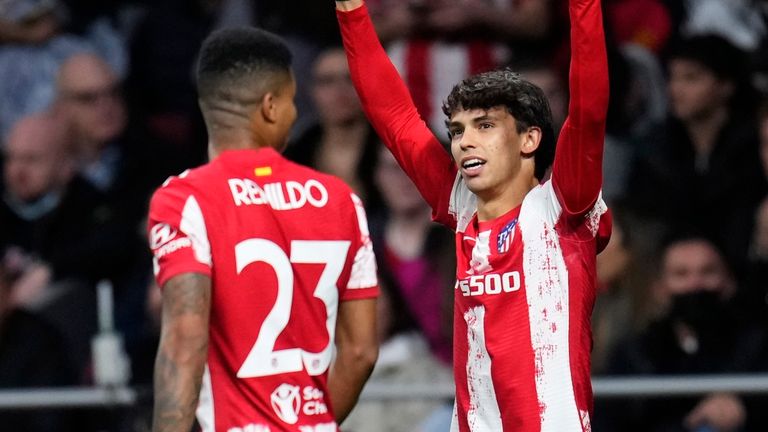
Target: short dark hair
[[523, 100], [716, 53], [681, 235], [725, 61], [234, 57]]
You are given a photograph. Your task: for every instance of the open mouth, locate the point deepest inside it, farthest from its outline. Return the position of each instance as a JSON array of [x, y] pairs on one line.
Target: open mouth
[[472, 164]]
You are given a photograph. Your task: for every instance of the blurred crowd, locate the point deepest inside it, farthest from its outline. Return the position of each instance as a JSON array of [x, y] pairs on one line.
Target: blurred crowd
[[98, 108]]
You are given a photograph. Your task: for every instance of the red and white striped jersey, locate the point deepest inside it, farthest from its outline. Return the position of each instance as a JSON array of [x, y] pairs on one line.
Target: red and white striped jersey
[[283, 245], [525, 285], [525, 291]]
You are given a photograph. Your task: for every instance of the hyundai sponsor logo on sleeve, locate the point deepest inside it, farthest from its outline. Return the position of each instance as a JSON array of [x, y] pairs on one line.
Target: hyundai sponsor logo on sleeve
[[164, 240], [160, 234]]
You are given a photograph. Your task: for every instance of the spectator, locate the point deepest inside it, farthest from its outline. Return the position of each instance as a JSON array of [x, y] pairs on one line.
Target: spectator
[[62, 230], [32, 46], [34, 41], [622, 273], [38, 171], [113, 160], [31, 355], [698, 330], [704, 171], [342, 143], [109, 156], [418, 253], [637, 108]]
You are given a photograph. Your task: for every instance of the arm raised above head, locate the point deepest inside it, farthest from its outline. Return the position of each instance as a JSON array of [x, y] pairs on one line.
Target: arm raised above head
[[390, 109], [577, 170]]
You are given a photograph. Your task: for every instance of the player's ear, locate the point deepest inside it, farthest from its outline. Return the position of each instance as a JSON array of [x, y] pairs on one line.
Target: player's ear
[[530, 140], [269, 107]]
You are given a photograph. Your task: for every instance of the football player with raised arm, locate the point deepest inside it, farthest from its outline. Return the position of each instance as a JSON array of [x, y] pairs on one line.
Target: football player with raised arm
[[526, 241]]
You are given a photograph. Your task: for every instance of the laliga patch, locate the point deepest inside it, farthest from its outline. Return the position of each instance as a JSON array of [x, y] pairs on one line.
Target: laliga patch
[[505, 237], [263, 171]]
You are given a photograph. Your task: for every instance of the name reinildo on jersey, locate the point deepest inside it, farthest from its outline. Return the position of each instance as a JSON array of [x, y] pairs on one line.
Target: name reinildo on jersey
[[280, 196]]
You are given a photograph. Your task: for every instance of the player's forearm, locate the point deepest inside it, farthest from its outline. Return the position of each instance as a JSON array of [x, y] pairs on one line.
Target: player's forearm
[[346, 379], [182, 351], [390, 109], [178, 375], [589, 65], [384, 96], [577, 171]]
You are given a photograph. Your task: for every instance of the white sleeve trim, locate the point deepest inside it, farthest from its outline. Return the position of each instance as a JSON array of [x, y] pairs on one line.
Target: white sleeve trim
[[193, 225], [363, 274]]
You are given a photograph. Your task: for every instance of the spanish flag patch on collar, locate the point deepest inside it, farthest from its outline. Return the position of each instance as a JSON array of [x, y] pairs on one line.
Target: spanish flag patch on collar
[[263, 171]]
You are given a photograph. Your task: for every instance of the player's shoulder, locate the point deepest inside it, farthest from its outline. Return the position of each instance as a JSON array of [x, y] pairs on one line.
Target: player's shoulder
[[180, 186]]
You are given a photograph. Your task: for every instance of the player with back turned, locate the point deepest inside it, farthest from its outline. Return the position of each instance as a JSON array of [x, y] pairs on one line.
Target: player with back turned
[[265, 266], [526, 243]]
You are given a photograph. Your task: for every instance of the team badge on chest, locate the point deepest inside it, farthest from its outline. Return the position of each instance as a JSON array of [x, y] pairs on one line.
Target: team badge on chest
[[505, 236]]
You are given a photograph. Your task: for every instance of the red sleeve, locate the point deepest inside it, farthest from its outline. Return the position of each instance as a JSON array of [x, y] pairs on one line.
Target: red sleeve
[[391, 111], [577, 171], [177, 235]]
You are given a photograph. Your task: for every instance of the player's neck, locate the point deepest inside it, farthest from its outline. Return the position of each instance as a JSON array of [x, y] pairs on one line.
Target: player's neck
[[495, 203], [235, 139]]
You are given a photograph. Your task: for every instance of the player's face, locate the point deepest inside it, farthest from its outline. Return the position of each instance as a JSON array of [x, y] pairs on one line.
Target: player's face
[[694, 91], [487, 149]]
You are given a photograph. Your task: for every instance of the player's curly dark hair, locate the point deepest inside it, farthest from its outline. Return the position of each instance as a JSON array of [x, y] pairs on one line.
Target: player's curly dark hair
[[232, 58], [523, 100]]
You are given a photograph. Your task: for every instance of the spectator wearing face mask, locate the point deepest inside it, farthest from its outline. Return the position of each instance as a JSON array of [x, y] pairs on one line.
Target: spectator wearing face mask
[[698, 330]]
